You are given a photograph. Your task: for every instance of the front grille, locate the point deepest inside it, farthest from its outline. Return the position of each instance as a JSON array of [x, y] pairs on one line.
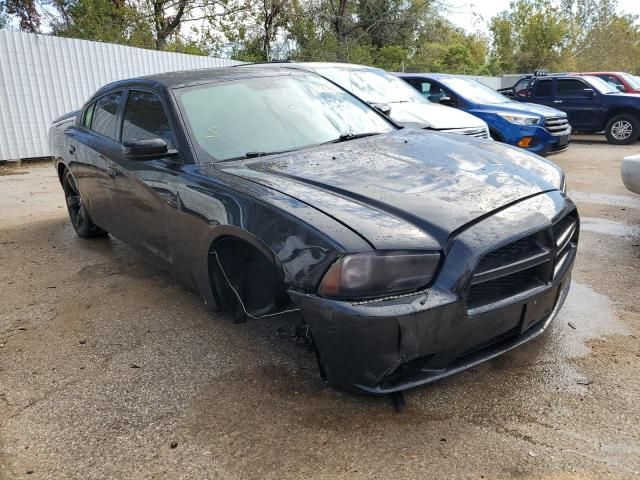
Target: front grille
[[524, 267], [557, 125], [565, 234], [480, 132]]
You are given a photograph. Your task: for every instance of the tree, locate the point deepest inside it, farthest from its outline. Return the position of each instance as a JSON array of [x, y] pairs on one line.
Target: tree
[[111, 21], [27, 13], [535, 31], [4, 19]]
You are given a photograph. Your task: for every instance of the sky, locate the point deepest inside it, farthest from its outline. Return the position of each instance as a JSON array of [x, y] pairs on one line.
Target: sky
[[474, 15]]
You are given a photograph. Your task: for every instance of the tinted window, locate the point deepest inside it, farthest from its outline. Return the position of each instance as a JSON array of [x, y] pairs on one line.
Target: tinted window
[[543, 88], [145, 118], [88, 115], [571, 88], [521, 86], [105, 115]]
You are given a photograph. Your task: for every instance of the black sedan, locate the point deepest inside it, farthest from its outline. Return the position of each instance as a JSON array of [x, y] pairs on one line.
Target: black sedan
[[409, 255]]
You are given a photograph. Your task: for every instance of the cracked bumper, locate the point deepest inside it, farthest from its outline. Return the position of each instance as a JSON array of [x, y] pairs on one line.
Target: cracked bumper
[[383, 347]]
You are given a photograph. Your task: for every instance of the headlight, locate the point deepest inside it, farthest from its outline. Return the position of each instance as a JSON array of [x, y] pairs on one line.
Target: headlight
[[520, 119], [378, 274]]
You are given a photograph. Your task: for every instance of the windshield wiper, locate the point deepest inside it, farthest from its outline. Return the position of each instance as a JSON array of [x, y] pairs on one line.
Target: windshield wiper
[[345, 137], [256, 154]]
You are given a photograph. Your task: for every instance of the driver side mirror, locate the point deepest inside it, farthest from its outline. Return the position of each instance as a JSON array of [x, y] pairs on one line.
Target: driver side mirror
[[141, 149], [589, 93], [621, 88], [448, 101]]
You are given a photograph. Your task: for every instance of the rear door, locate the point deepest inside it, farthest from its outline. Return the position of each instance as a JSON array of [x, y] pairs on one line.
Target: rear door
[[93, 146], [144, 188], [580, 101]]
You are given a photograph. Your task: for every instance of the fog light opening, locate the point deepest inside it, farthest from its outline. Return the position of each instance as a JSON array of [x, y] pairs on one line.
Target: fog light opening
[[525, 142]]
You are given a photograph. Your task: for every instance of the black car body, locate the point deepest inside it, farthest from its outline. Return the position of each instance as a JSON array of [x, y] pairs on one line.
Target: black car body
[[410, 254]]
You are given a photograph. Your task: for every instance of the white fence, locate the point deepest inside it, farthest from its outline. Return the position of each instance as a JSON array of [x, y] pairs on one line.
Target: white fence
[[43, 77]]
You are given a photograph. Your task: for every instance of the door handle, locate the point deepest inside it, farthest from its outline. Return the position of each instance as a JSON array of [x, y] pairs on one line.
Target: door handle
[[112, 172], [72, 149], [557, 101]]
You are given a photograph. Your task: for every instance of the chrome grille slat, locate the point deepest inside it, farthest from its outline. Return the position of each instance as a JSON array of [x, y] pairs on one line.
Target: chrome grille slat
[[557, 125]]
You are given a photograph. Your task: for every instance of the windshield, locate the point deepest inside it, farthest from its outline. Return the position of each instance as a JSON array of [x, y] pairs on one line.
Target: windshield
[[258, 116], [372, 84], [600, 85], [632, 80], [474, 91]]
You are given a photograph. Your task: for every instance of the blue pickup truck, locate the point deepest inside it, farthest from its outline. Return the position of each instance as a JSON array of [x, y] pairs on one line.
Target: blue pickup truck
[[539, 129], [591, 104]]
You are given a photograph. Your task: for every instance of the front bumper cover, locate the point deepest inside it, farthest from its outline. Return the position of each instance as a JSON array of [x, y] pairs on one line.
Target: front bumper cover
[[385, 346], [381, 354]]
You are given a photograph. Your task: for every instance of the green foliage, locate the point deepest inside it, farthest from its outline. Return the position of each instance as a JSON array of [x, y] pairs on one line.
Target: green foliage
[[414, 35], [530, 35], [4, 17], [103, 21], [569, 35]]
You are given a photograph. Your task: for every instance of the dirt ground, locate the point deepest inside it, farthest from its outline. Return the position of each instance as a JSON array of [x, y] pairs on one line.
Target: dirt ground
[[111, 370]]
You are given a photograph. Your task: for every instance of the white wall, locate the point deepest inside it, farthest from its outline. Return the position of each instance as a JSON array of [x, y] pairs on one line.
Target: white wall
[[43, 77]]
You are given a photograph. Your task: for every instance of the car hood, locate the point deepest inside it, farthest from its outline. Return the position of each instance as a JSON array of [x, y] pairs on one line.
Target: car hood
[[525, 108], [407, 189], [432, 115]]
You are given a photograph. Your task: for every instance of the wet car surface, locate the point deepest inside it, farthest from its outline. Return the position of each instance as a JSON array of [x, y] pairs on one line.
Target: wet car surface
[[106, 363], [410, 255]]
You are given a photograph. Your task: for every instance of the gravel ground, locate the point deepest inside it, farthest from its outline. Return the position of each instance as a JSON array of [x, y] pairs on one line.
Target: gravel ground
[[111, 370]]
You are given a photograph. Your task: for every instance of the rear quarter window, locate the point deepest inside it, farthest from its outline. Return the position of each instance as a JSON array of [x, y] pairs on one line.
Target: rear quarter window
[[88, 116]]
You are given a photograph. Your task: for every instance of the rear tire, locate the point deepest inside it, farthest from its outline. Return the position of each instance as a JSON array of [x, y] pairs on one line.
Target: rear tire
[[78, 214], [622, 129]]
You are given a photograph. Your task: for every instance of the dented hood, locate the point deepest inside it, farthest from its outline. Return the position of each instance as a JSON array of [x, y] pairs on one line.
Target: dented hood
[[407, 189]]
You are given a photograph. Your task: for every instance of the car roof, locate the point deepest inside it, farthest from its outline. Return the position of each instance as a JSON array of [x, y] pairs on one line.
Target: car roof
[[185, 78], [424, 74], [601, 73]]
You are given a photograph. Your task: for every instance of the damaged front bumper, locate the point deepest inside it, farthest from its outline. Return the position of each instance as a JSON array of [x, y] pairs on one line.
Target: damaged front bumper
[[384, 346], [384, 349]]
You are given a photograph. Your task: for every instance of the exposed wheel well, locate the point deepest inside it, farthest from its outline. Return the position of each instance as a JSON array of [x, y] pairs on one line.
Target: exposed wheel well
[[61, 167], [255, 278]]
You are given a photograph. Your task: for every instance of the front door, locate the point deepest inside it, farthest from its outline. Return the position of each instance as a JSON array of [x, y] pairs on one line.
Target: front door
[[142, 192], [580, 101]]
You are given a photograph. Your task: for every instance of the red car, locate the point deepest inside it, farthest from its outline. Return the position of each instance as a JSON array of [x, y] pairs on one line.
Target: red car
[[625, 82]]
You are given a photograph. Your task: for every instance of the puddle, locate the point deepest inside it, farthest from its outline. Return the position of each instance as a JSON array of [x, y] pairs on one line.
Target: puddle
[[606, 199], [592, 316], [608, 227]]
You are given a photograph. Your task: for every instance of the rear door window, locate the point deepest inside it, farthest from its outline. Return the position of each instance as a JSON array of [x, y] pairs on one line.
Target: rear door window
[[105, 115], [145, 118], [543, 88], [571, 88]]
